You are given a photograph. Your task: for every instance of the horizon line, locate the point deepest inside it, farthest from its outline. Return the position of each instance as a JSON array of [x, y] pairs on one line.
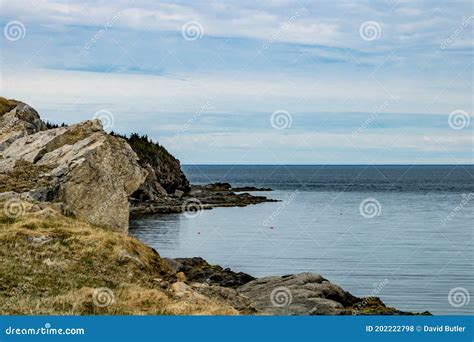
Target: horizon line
[[230, 164]]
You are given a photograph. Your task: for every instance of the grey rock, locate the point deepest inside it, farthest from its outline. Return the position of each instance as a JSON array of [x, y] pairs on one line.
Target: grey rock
[[199, 270], [82, 166], [178, 193], [17, 122], [300, 294], [39, 240], [229, 296]]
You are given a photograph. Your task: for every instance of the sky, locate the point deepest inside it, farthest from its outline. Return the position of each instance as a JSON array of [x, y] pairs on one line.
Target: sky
[[253, 82]]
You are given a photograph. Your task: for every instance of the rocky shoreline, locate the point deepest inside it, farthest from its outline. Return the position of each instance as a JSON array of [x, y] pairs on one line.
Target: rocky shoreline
[[199, 197], [96, 176], [294, 294], [68, 193]]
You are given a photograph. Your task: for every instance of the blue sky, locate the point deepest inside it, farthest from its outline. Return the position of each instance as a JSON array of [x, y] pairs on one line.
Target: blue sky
[[386, 81]]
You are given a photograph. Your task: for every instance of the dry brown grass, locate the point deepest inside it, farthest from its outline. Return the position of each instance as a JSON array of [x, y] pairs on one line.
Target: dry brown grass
[[52, 264], [24, 176], [6, 105]]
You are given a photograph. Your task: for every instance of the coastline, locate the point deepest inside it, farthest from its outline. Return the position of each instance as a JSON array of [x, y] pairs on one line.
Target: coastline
[[68, 193], [62, 265], [199, 197]]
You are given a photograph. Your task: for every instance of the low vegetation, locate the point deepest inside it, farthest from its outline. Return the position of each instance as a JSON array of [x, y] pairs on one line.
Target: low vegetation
[[24, 177], [147, 150], [166, 167], [50, 125], [52, 264], [6, 105]]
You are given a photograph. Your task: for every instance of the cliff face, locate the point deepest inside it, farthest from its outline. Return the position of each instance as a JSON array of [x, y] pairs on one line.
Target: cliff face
[[164, 170], [81, 166], [92, 174], [89, 173]]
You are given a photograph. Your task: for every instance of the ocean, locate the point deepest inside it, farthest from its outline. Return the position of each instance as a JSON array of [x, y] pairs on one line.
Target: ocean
[[399, 232]]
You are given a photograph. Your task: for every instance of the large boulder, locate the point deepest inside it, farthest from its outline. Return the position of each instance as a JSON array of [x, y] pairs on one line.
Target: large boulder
[[17, 120], [299, 294], [91, 172], [310, 294]]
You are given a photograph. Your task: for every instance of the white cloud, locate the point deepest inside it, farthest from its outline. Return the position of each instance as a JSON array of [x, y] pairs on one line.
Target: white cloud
[[324, 66], [229, 93], [320, 148], [326, 23]]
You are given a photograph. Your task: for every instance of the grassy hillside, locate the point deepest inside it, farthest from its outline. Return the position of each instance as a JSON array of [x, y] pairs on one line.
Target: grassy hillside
[[52, 264]]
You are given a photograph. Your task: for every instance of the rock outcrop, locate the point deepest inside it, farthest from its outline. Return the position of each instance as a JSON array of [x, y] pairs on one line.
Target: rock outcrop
[[310, 294], [80, 166], [200, 271], [94, 174], [295, 295], [17, 120], [301, 294], [82, 171], [164, 170], [200, 197]]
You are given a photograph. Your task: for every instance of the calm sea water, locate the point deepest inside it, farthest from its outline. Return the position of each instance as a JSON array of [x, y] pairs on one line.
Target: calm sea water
[[402, 233]]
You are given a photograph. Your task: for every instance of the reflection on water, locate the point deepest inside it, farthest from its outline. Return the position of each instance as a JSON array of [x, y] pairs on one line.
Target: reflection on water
[[160, 230], [407, 248]]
